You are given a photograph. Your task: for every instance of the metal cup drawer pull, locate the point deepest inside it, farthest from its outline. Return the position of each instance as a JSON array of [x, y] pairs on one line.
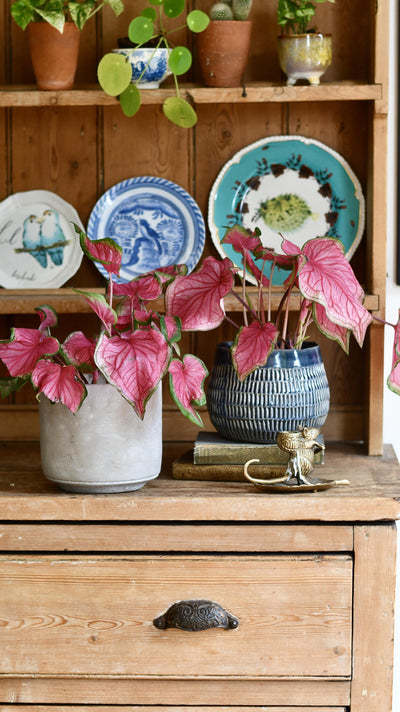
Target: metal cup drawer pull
[[196, 615]]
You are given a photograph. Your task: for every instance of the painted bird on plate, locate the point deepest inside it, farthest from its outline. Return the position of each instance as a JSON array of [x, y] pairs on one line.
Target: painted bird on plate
[[52, 234], [31, 238]]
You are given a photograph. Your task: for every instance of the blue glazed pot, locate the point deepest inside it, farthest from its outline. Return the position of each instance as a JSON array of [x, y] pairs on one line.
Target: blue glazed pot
[[289, 392]]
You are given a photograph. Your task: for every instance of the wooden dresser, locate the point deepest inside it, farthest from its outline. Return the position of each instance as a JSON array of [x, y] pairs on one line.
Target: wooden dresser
[[308, 577]]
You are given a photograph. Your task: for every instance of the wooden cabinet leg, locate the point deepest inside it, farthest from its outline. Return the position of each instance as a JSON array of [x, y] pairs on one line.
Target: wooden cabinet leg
[[373, 628]]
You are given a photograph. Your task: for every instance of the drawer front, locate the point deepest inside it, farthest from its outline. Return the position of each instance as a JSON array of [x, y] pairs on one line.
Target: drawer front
[[94, 616]]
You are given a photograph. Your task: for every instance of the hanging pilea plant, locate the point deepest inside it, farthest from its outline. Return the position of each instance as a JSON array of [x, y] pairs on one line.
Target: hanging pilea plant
[[114, 70]]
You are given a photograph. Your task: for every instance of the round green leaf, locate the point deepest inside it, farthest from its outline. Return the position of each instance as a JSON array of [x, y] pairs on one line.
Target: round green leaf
[[173, 8], [180, 60], [114, 73], [197, 21], [150, 13], [156, 2], [179, 112], [141, 30], [130, 100]]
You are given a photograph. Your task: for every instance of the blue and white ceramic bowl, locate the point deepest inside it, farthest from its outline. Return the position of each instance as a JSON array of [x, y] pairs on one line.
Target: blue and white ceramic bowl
[[157, 69]]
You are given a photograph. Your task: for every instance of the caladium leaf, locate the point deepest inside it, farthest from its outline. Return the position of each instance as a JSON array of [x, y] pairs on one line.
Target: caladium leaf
[[245, 243], [144, 288], [171, 328], [25, 347], [168, 273], [326, 277], [240, 239], [141, 317], [186, 380], [59, 384], [252, 346], [393, 380], [329, 329], [105, 251], [100, 307], [79, 350], [134, 363], [48, 317], [197, 298], [123, 311]]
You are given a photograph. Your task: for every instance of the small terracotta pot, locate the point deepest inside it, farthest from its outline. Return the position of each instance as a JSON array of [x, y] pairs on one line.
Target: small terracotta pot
[[54, 54], [223, 50]]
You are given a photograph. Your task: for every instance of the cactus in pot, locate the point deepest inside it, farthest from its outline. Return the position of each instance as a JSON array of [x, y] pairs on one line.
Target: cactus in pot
[[231, 10]]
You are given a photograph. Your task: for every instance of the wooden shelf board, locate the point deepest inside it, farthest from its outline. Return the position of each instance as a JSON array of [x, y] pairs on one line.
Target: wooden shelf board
[[66, 301], [254, 92]]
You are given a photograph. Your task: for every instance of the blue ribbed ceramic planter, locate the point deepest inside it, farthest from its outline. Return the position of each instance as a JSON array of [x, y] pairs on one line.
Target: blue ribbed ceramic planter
[[289, 392]]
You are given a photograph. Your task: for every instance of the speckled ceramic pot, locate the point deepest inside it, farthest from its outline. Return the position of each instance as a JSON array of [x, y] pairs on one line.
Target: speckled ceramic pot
[[305, 56], [104, 446], [289, 392]]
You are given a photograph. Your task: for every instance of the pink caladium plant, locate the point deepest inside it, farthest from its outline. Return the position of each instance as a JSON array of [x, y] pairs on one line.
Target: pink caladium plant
[[331, 297], [133, 350]]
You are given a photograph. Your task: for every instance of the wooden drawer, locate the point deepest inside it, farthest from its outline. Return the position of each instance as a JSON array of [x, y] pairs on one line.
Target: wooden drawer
[[78, 616]]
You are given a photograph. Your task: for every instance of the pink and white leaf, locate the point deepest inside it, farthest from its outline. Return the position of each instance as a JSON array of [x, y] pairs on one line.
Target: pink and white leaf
[[59, 384], [105, 251], [171, 328], [333, 331], [48, 317], [134, 363], [241, 240], [168, 273], [252, 346], [327, 278], [79, 350], [393, 380], [197, 298], [100, 307], [24, 349], [186, 380], [144, 288]]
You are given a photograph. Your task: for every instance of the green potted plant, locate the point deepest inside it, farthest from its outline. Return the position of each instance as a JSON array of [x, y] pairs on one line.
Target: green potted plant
[[223, 49], [304, 53], [116, 71], [54, 28]]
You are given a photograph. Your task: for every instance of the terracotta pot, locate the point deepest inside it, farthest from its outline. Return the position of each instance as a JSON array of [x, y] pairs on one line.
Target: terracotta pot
[[305, 56], [54, 54], [223, 50]]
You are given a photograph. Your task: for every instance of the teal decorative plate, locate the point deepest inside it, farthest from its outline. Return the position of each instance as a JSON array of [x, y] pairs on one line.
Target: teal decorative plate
[[291, 187]]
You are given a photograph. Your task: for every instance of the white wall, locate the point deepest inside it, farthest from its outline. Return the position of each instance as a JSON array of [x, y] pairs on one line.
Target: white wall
[[391, 423]]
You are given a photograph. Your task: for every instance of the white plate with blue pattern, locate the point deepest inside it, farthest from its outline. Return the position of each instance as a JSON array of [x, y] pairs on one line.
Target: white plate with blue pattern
[[156, 222], [39, 248]]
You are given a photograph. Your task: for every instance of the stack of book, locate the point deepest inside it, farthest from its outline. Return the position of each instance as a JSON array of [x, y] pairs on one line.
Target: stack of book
[[215, 458]]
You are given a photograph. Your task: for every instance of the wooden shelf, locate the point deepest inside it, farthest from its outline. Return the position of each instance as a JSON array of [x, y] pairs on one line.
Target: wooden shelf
[[254, 92], [66, 301]]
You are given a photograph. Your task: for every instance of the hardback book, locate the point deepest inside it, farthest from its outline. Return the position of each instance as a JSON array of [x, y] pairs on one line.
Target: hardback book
[[183, 468], [211, 449]]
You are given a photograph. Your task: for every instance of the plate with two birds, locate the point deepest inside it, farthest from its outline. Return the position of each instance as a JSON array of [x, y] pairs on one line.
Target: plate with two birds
[[39, 247]]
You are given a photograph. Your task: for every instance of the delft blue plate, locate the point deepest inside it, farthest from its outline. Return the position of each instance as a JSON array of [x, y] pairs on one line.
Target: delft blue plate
[[155, 221], [290, 186], [39, 248]]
